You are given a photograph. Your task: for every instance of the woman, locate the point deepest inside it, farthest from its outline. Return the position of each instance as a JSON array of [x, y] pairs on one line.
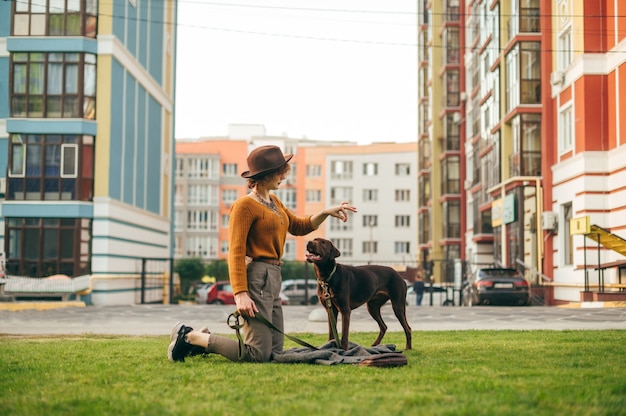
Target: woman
[[258, 228]]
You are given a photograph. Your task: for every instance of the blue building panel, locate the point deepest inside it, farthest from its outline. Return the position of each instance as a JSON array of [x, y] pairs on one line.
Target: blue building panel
[[47, 210], [130, 119], [140, 163], [5, 19], [155, 135], [119, 19], [4, 156], [131, 30], [117, 131], [155, 67], [52, 126], [57, 44], [144, 36], [4, 87]]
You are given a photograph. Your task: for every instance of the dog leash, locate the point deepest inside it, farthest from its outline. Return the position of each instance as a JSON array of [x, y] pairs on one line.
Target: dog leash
[[329, 306], [237, 325]]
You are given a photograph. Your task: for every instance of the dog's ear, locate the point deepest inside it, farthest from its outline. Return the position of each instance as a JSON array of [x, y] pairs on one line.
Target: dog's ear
[[334, 252]]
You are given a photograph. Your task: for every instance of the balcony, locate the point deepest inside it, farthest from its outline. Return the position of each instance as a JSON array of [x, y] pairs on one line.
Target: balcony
[[525, 164]]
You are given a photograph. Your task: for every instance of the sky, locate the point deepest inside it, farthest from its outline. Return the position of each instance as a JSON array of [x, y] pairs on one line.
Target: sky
[[316, 69]]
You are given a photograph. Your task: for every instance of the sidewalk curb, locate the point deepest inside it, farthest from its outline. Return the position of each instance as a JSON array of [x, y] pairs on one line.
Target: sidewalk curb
[[607, 304], [39, 306]]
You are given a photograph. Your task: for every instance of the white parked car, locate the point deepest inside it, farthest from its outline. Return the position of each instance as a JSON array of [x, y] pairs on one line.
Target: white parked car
[[299, 291]]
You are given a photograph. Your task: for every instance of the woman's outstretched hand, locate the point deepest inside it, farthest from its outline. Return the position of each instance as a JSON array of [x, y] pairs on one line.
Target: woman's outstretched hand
[[340, 211]]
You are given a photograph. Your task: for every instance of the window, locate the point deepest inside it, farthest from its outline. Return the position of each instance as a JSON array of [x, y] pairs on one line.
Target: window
[[370, 247], [198, 220], [225, 219], [53, 85], [370, 169], [40, 247], [523, 75], [229, 196], [313, 171], [452, 219], [201, 246], [453, 89], [50, 167], [403, 169], [202, 194], [203, 168], [403, 195], [451, 56], [288, 197], [529, 16], [568, 239], [56, 18], [229, 169], [402, 247], [180, 167], [289, 253], [178, 221], [566, 130], [450, 174], [370, 220], [403, 220], [339, 194], [179, 197], [336, 224], [224, 247], [564, 51], [340, 169], [313, 195], [344, 245], [424, 189], [370, 195]]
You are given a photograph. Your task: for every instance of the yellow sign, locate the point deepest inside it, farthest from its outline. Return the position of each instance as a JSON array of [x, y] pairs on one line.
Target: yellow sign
[[496, 212], [580, 225]]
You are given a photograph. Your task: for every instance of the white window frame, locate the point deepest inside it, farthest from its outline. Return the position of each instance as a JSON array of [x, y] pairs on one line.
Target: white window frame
[[566, 129]]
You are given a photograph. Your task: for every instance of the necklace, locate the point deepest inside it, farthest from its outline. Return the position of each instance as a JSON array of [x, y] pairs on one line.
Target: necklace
[[270, 204]]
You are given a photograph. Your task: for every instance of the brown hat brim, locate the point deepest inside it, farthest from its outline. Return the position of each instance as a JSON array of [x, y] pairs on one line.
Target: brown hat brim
[[251, 175]]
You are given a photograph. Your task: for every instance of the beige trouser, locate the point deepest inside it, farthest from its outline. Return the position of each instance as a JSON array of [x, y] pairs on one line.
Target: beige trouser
[[264, 282]]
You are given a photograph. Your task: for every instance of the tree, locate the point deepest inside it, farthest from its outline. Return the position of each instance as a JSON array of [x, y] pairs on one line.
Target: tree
[[190, 270], [296, 270]]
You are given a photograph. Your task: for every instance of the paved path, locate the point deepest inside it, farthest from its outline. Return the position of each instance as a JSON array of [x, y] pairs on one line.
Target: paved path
[[159, 319]]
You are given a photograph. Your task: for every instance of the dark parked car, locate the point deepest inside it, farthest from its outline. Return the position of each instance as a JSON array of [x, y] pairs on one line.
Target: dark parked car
[[496, 285]]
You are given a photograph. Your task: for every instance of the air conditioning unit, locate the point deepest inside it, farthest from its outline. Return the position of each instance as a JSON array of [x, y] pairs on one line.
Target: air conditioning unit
[[456, 117], [557, 78], [463, 96], [549, 221]]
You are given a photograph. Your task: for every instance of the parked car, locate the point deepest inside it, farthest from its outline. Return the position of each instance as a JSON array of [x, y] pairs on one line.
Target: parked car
[[496, 285], [220, 293], [201, 292], [296, 292]]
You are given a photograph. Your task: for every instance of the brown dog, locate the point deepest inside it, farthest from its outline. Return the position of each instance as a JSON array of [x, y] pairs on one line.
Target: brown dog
[[351, 287]]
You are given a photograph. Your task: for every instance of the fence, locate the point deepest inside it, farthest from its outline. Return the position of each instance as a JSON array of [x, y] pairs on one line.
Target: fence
[[156, 283]]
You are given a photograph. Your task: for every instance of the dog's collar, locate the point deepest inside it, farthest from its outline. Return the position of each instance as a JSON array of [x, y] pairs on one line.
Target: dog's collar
[[330, 276]]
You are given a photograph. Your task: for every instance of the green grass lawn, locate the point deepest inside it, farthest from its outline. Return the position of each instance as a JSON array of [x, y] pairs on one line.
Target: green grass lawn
[[449, 373]]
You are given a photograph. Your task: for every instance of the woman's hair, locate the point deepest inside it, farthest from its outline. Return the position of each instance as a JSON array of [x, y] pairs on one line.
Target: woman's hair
[[283, 170]]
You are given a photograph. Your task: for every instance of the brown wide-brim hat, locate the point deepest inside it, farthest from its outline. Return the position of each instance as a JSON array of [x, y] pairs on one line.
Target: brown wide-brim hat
[[265, 159]]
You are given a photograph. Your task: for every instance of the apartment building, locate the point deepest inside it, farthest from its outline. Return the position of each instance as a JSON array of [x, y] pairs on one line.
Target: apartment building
[[378, 179], [539, 116], [86, 139]]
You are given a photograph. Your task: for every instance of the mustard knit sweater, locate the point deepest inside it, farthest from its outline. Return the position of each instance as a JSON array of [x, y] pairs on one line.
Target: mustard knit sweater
[[255, 230]]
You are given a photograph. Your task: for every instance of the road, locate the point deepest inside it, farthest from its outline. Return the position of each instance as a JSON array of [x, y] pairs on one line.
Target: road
[[159, 319]]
